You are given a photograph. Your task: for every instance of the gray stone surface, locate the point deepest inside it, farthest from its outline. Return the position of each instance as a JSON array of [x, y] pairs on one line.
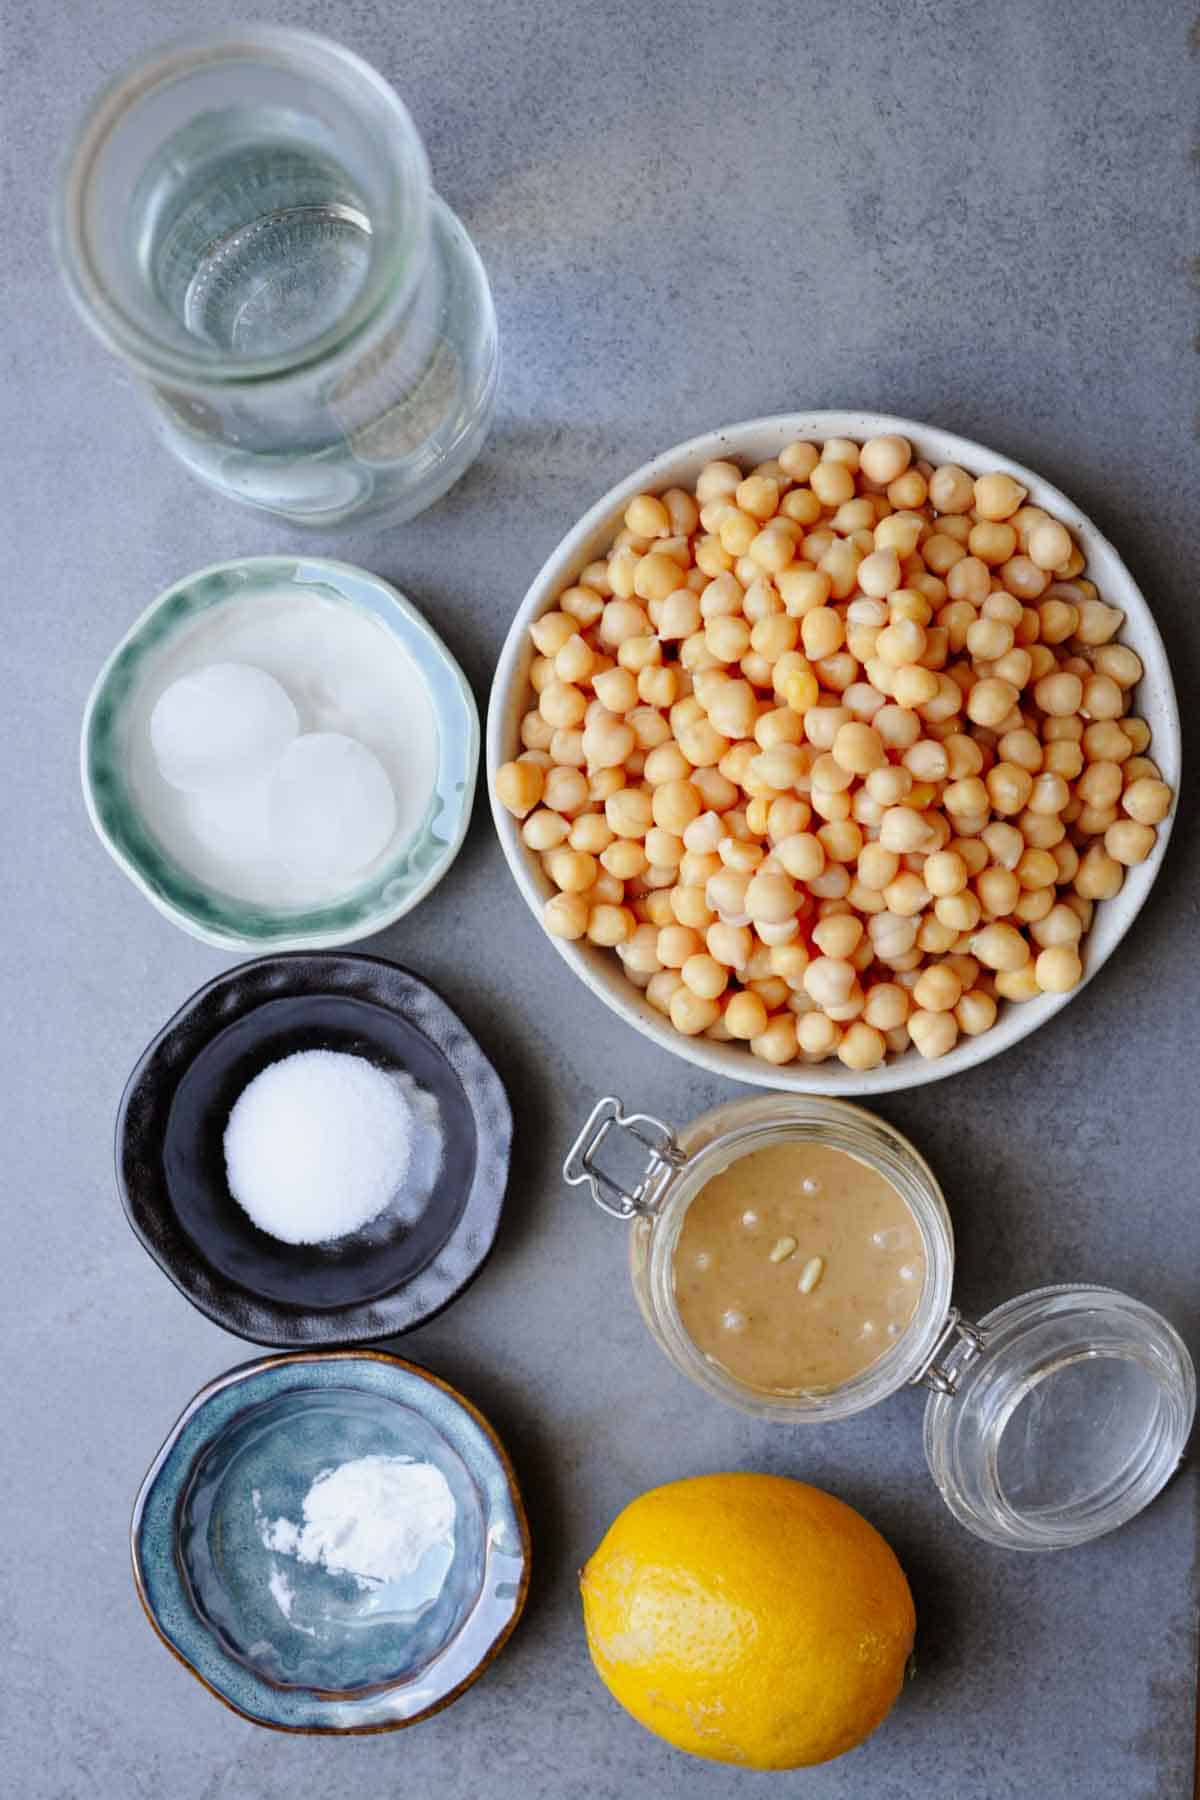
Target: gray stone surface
[[980, 216]]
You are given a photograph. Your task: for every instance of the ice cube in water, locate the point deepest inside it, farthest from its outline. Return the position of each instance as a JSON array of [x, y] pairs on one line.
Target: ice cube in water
[[332, 806], [220, 725]]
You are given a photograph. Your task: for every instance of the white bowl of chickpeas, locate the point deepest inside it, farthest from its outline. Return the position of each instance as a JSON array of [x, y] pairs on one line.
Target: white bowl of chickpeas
[[834, 752]]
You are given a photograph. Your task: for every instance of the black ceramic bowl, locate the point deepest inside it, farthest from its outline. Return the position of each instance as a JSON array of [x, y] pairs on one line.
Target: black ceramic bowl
[[171, 1163]]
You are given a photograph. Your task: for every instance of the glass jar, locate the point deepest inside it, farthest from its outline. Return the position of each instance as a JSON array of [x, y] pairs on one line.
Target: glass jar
[[1054, 1419], [247, 220]]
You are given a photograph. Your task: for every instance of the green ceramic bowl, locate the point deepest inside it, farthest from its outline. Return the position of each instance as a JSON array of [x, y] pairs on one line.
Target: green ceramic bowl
[[412, 869]]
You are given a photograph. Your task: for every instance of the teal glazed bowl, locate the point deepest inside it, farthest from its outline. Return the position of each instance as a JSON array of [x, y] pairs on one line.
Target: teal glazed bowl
[[410, 869], [291, 1639]]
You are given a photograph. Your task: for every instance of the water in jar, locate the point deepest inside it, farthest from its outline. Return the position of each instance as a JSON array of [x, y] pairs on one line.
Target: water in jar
[[254, 237]]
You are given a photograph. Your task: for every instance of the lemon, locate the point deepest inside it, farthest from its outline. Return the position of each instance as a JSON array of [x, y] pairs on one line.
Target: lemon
[[749, 1618]]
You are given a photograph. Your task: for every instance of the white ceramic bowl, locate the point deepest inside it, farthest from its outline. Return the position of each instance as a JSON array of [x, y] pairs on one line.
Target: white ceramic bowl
[[751, 442]]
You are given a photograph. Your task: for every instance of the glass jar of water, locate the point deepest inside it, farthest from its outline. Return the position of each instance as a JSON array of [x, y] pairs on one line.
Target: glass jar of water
[[247, 220]]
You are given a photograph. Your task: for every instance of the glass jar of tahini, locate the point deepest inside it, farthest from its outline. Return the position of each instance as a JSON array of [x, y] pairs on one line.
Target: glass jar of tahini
[[794, 1257]]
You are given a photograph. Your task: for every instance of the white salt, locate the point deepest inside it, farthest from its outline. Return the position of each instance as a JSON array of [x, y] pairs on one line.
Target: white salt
[[332, 806], [318, 1144], [221, 724]]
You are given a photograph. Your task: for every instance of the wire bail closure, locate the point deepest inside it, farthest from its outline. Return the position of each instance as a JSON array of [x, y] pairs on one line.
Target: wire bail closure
[[934, 1375], [663, 1158]]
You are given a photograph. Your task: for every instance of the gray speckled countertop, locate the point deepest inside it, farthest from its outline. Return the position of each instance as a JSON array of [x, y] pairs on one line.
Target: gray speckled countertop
[[980, 216]]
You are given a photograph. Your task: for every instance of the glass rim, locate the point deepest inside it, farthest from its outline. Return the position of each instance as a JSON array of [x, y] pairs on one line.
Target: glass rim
[[859, 1133], [963, 1429], [387, 282]]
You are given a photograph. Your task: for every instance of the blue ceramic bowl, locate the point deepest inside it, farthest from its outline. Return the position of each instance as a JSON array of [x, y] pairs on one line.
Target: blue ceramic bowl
[[414, 867], [280, 1637]]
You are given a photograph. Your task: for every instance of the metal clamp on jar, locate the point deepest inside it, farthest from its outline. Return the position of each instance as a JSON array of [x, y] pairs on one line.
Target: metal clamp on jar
[[1052, 1420]]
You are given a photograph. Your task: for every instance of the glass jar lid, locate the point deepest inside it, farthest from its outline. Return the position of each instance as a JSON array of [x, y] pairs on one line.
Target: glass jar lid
[[1058, 1417]]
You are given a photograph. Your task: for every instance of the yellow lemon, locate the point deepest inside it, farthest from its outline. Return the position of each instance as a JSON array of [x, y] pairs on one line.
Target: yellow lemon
[[749, 1618]]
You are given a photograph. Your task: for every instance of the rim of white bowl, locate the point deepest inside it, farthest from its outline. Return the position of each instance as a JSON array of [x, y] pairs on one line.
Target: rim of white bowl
[[755, 440]]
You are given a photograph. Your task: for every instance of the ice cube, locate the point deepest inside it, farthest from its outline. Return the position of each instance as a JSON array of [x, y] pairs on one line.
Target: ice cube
[[220, 725], [332, 806]]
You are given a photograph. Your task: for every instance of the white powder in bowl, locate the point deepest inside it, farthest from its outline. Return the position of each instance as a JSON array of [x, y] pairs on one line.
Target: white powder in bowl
[[317, 1145], [379, 1519]]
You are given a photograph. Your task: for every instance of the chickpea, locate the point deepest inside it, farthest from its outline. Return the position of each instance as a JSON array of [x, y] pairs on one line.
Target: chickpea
[[702, 744], [729, 945], [838, 936], [828, 981], [624, 858], [933, 1034], [959, 912], [944, 873], [656, 905], [975, 1012], [664, 849], [1049, 544], [602, 783], [906, 895], [798, 460], [1050, 794], [566, 916], [1100, 875], [1128, 842], [1102, 698], [966, 798], [661, 988], [1058, 969], [745, 1016], [623, 618], [1104, 741], [991, 542], [990, 701], [914, 686], [789, 962], [1018, 984], [892, 935], [1009, 787], [903, 830], [998, 890], [771, 899], [561, 706], [691, 1013], [590, 832], [1065, 759], [997, 496], [610, 925], [1000, 947], [786, 818], [862, 1047], [629, 812], [1097, 623], [777, 1043], [519, 787], [884, 459], [989, 638], [638, 951], [832, 481], [565, 791], [1147, 801], [879, 573], [937, 989], [802, 855]]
